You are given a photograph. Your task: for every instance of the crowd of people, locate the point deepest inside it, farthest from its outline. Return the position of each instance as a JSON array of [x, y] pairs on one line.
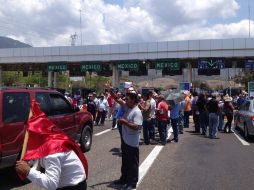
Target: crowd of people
[[131, 113], [207, 111], [150, 113]]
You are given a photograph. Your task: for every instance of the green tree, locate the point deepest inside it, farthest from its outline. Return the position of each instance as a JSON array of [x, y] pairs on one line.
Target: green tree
[[96, 82], [34, 79], [204, 86], [9, 78], [247, 76]]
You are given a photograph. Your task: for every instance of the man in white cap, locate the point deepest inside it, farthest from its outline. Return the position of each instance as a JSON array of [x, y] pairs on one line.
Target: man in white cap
[[102, 105]]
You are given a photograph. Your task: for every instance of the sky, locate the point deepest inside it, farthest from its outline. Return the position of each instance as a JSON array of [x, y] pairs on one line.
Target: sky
[[44, 23]]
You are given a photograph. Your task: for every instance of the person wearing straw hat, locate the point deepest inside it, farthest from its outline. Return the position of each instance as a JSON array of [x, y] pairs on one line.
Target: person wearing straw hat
[[228, 110]]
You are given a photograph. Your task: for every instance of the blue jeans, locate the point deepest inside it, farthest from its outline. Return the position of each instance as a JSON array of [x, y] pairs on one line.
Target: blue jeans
[[147, 125], [186, 118], [221, 120], [152, 129], [162, 127], [180, 122], [213, 124], [203, 121], [101, 117], [174, 123]]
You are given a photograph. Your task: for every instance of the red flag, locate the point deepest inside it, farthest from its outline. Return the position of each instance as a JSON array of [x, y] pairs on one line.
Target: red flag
[[46, 138]]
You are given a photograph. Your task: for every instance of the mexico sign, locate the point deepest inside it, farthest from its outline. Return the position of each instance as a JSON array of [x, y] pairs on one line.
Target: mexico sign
[[173, 65], [90, 66], [57, 66]]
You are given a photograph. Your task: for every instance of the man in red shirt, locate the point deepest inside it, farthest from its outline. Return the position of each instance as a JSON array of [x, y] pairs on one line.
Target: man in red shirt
[[162, 117]]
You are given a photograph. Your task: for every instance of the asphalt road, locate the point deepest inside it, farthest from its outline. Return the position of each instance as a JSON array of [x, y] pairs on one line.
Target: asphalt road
[[194, 163]]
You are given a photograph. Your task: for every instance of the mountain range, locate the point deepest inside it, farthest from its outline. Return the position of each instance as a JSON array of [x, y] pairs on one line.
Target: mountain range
[[6, 42]]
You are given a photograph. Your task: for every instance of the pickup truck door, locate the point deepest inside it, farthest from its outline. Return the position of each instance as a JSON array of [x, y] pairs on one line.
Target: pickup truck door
[[15, 111], [62, 114], [59, 111]]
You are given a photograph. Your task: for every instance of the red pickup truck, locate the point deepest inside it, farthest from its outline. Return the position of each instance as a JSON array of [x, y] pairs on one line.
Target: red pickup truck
[[14, 111]]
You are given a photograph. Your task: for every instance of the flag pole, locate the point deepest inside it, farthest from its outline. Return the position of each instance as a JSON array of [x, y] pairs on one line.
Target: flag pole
[[24, 148]]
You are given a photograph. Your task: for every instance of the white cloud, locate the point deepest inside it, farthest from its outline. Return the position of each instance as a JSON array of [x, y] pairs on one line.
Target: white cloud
[[203, 9], [51, 22], [232, 30]]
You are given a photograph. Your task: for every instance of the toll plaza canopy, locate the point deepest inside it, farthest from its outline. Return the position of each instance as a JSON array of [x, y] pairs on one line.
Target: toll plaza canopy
[[209, 56], [242, 47]]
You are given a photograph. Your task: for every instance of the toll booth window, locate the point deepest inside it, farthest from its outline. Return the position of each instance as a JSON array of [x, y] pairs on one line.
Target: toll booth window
[[43, 99], [16, 107], [59, 105]]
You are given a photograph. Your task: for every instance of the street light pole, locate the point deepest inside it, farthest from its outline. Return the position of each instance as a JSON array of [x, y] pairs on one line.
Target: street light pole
[[80, 25], [249, 15]]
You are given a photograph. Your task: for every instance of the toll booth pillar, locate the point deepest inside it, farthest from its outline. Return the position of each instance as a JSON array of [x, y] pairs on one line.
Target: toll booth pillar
[[115, 77], [187, 73], [55, 79], [1, 76], [50, 82], [190, 73]]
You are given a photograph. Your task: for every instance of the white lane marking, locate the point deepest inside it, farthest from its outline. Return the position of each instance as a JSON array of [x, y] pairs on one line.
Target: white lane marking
[[100, 133], [170, 131], [241, 139], [147, 163]]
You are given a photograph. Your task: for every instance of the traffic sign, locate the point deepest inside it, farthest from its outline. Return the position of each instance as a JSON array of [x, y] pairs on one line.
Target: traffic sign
[[184, 86], [173, 65], [90, 66], [57, 66], [251, 88], [128, 65], [212, 63], [249, 64]]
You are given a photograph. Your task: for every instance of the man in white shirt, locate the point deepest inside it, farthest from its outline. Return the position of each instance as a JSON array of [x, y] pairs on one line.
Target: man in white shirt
[[59, 172], [131, 123], [102, 106], [65, 165], [153, 115]]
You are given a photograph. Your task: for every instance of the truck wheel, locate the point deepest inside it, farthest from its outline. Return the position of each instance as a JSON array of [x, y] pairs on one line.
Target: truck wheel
[[86, 139]]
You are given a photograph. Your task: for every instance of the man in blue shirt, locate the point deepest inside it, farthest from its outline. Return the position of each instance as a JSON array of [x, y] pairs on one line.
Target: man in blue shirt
[[174, 117]]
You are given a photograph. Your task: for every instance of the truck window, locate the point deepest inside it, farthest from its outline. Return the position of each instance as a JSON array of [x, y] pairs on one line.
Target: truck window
[[59, 105], [43, 99], [16, 106]]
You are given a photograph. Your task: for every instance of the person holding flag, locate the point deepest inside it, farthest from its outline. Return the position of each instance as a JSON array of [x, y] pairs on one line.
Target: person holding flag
[[65, 165], [131, 122]]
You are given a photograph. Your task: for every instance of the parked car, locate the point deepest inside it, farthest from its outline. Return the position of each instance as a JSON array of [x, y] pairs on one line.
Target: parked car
[[244, 118], [14, 111]]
